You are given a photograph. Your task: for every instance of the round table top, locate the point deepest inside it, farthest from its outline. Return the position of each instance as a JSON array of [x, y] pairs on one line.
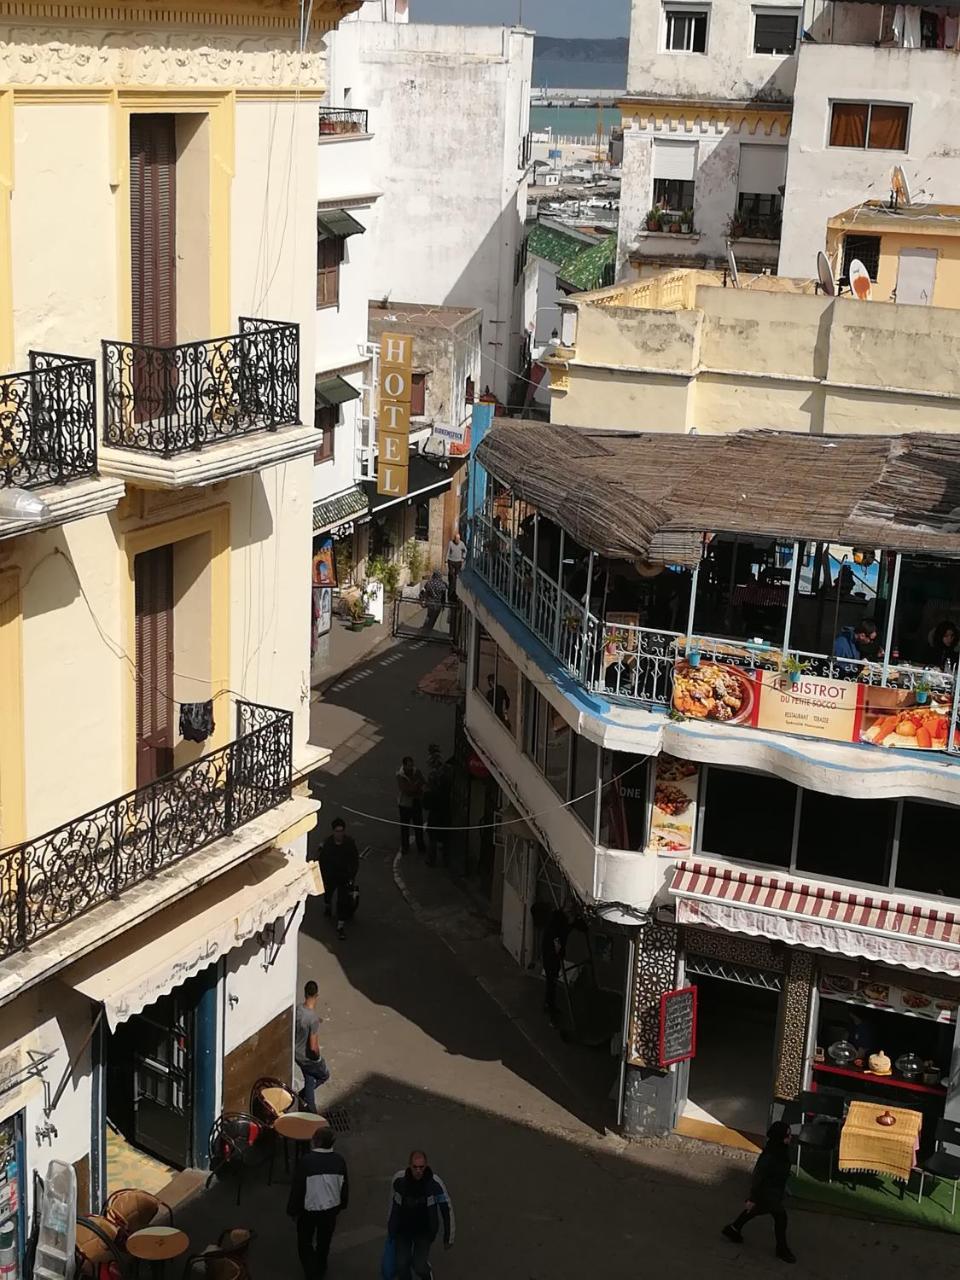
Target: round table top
[[299, 1125], [157, 1243]]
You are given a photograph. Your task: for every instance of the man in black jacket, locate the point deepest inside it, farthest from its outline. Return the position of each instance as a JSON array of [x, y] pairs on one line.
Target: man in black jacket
[[319, 1191], [767, 1189], [339, 864], [420, 1203]]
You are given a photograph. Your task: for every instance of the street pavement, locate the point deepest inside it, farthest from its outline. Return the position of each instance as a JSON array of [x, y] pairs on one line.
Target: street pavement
[[423, 1054]]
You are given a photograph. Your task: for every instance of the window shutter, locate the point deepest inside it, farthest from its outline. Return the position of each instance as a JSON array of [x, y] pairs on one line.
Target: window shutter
[[153, 573], [762, 169], [676, 160], [153, 228]]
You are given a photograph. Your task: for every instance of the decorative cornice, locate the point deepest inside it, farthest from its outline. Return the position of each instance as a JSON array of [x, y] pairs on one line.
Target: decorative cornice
[[707, 117], [255, 15]]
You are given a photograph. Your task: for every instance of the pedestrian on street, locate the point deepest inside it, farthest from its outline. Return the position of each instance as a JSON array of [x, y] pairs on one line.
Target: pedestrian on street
[[767, 1189], [339, 864], [319, 1192], [306, 1046], [410, 787], [433, 597], [436, 803], [456, 558], [420, 1204]]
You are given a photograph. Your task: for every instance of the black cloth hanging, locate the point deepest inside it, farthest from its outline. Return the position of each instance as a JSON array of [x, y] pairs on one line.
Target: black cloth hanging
[[196, 720]]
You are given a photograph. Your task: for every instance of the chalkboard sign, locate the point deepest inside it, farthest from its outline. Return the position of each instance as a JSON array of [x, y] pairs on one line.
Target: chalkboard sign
[[678, 1025]]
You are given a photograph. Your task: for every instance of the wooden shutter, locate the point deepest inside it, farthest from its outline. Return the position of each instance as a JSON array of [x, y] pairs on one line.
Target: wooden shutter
[[153, 228], [153, 572], [418, 395]]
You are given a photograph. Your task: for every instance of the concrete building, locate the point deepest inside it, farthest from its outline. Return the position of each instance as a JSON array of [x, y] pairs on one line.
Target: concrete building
[[681, 352], [911, 252], [698, 842], [454, 103], [706, 120], [898, 106], [156, 484]]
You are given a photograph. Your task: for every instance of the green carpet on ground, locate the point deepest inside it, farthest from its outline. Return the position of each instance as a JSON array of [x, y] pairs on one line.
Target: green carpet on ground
[[877, 1198]]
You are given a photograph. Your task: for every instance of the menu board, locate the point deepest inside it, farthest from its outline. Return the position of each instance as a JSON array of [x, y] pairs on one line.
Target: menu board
[[676, 783], [884, 995], [678, 1025]]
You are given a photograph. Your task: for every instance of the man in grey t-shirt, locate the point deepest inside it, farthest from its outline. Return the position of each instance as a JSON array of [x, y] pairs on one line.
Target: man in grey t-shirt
[[306, 1046]]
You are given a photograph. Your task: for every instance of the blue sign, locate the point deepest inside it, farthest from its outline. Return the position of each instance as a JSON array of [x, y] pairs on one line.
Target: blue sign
[[480, 423]]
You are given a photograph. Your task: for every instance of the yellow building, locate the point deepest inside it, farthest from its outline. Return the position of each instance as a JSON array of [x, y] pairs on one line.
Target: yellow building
[[912, 252], [158, 233], [687, 351]]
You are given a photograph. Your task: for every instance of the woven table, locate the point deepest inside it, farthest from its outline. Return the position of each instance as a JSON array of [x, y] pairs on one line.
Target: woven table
[[868, 1147]]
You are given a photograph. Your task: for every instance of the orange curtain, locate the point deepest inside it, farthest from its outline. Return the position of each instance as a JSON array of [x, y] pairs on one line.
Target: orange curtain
[[888, 129], [848, 126]]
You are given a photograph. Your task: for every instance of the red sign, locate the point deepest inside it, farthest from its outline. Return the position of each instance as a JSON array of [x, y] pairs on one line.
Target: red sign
[[678, 1025]]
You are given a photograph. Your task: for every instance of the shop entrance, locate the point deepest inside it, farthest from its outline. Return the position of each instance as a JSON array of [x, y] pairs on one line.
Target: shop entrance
[[730, 1081], [159, 1077]]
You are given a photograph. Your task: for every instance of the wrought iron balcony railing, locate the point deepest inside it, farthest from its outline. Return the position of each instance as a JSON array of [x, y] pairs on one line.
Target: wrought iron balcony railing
[[335, 120], [169, 400], [52, 880], [48, 422]]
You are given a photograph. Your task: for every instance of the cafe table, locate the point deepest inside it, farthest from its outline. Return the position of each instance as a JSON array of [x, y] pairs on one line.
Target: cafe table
[[297, 1127], [157, 1245], [869, 1147]]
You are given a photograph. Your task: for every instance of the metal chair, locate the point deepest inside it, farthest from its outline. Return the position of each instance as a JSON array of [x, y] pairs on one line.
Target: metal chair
[[232, 1247], [270, 1098], [131, 1209], [941, 1165], [212, 1265], [232, 1146], [98, 1249], [822, 1132]]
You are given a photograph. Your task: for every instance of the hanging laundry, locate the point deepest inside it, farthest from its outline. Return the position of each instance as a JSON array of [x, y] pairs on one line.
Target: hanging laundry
[[898, 24], [196, 720], [951, 30], [911, 27]]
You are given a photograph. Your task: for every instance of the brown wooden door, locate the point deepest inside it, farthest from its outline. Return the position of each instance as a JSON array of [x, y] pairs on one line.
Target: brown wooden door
[[153, 571], [153, 253]]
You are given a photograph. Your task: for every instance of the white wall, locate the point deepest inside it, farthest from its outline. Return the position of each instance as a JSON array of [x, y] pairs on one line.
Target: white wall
[[254, 995], [823, 180], [453, 102], [728, 69]]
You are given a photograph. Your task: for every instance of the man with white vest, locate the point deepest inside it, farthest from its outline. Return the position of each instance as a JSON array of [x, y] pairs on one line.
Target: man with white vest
[[320, 1189]]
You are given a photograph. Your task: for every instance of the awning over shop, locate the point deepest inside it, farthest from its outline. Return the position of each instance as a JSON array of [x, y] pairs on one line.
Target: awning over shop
[[329, 512], [872, 926], [426, 477], [337, 223], [334, 390], [145, 963]]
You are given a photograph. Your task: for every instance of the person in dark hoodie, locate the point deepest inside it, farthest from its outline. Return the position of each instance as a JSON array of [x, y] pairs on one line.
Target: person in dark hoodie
[[339, 863], [420, 1204], [320, 1191], [767, 1189]]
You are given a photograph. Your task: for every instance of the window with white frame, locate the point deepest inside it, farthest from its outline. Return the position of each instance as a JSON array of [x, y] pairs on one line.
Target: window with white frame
[[685, 28], [775, 31], [760, 189], [674, 175]]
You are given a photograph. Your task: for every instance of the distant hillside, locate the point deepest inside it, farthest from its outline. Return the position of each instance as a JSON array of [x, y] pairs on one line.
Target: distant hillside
[[556, 49]]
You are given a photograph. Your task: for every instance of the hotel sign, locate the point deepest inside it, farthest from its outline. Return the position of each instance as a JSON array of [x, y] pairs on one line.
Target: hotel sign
[[393, 414]]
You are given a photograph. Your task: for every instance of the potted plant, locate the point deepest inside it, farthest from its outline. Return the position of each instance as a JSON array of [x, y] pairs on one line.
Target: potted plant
[[687, 221], [654, 219], [693, 652], [355, 610], [922, 691], [675, 224], [794, 668], [615, 643], [572, 621], [327, 125], [736, 227], [413, 558], [387, 573]]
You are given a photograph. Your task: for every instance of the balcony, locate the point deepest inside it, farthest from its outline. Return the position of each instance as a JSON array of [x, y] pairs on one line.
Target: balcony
[[48, 440], [58, 877], [877, 701], [342, 121], [164, 403]]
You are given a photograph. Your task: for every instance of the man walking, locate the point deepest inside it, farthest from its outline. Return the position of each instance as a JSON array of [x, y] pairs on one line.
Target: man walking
[[319, 1191], [433, 597], [339, 864], [456, 557], [767, 1189], [410, 785], [306, 1046], [420, 1204]]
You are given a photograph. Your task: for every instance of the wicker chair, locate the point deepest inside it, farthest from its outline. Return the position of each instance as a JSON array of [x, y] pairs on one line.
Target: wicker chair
[[270, 1098], [233, 1146], [131, 1209], [232, 1248], [98, 1248]]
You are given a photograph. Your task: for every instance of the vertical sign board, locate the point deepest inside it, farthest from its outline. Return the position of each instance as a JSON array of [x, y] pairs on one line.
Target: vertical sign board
[[678, 1025], [480, 422], [393, 414]]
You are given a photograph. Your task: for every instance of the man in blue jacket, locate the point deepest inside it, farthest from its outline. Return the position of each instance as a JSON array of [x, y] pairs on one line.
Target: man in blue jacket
[[859, 641], [420, 1204], [319, 1191]]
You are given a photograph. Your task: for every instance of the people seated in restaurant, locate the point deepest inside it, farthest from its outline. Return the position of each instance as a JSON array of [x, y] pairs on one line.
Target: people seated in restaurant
[[861, 641], [944, 645]]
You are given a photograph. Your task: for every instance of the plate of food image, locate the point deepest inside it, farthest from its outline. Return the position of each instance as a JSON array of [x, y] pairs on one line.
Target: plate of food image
[[712, 691], [916, 728], [673, 769], [671, 799]]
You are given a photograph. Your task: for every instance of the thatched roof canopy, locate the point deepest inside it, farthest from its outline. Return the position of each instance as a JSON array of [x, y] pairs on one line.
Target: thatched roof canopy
[[650, 496]]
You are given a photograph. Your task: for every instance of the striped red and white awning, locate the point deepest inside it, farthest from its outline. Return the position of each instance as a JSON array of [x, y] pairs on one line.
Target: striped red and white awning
[[877, 926]]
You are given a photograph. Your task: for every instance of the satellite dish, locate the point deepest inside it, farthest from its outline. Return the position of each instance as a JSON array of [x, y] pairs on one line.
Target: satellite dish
[[825, 275], [860, 285], [898, 186], [732, 264]]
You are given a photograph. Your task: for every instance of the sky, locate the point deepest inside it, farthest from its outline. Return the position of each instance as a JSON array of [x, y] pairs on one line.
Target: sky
[[598, 19]]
